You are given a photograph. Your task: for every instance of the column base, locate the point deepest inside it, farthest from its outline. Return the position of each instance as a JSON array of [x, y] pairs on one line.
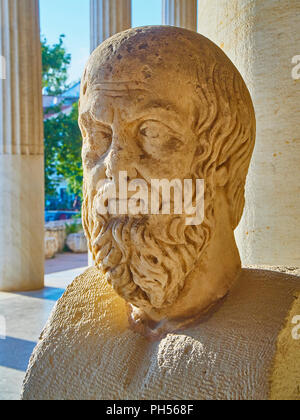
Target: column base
[[21, 222]]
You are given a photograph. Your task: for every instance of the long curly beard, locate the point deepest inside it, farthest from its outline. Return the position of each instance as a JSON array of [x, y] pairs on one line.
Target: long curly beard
[[145, 258]]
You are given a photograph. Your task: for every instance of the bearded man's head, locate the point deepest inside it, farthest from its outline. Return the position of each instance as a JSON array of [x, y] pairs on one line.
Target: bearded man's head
[[161, 103]]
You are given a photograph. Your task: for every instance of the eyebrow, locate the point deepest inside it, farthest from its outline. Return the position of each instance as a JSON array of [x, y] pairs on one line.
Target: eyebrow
[[164, 106], [115, 89], [88, 116], [160, 104]]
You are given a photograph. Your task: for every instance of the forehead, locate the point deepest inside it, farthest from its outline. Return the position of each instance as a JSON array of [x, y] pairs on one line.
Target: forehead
[[132, 97], [138, 79], [106, 102]]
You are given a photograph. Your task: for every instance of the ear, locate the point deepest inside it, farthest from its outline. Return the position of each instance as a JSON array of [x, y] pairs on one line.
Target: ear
[[221, 176]]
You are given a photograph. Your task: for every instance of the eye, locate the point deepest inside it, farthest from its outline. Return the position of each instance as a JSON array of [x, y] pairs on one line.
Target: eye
[[151, 129], [155, 134]]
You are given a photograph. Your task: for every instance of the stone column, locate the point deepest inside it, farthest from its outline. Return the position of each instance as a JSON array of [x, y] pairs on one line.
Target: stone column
[[21, 149], [182, 13], [108, 17], [261, 38]]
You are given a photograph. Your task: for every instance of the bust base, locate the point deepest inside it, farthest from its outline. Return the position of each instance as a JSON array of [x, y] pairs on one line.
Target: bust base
[[87, 350]]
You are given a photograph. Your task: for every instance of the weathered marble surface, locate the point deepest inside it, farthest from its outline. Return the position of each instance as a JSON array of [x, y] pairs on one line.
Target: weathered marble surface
[[261, 38], [57, 230], [152, 110], [51, 247], [77, 242]]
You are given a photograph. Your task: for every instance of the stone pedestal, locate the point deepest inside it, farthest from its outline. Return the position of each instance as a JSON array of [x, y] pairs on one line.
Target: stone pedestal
[[182, 13], [21, 149], [87, 350], [57, 230], [261, 38], [107, 18], [77, 243], [51, 247]]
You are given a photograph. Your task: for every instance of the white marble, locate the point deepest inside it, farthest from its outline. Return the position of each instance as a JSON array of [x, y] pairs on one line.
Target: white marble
[[21, 148], [21, 222], [21, 123], [107, 17], [51, 247], [261, 38], [77, 243], [182, 13]]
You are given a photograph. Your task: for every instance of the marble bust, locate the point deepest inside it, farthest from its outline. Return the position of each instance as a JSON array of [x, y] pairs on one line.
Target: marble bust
[[167, 312], [165, 103]]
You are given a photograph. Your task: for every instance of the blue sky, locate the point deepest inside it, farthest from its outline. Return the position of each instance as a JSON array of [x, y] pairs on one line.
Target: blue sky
[[71, 17]]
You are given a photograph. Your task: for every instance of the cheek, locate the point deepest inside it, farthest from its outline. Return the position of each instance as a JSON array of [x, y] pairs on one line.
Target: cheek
[[168, 163], [93, 176]]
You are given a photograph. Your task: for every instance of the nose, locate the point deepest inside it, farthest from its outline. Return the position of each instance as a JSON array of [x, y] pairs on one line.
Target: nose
[[120, 158]]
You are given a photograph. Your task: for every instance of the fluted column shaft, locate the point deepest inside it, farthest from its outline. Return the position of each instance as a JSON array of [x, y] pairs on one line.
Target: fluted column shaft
[[20, 94], [182, 13], [108, 17], [21, 148], [262, 39]]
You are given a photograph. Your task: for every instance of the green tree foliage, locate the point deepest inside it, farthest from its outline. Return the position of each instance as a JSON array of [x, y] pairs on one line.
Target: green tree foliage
[[61, 132], [63, 151], [55, 62]]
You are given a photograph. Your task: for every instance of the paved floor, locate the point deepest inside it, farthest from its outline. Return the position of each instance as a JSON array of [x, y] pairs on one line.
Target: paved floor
[[65, 261], [23, 316]]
